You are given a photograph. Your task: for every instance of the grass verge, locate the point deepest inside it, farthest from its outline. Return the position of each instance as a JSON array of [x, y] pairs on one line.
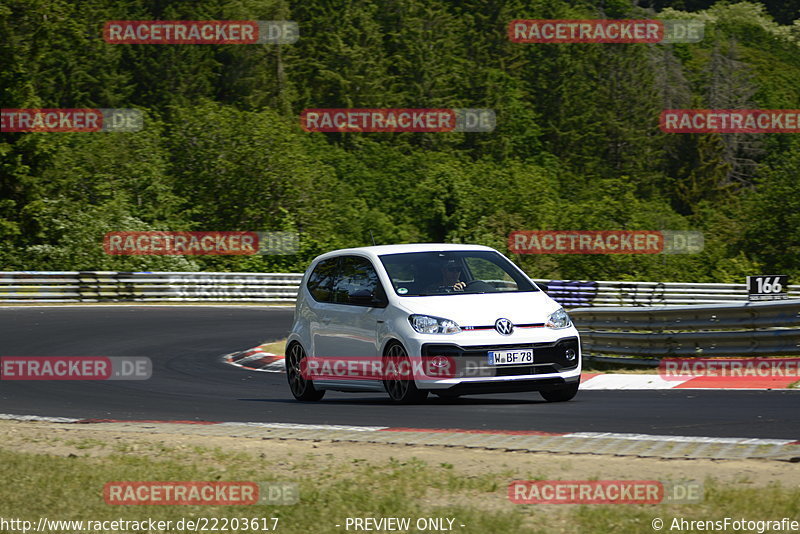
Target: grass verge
[[68, 485]]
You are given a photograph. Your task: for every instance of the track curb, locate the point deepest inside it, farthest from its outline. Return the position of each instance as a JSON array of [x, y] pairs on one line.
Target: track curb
[[256, 359]]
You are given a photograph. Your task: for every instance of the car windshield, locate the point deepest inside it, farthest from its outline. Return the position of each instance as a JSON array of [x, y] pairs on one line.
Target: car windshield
[[417, 274]]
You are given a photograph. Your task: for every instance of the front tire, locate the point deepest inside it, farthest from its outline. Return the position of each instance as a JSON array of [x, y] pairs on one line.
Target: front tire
[[561, 394], [401, 390], [302, 388]]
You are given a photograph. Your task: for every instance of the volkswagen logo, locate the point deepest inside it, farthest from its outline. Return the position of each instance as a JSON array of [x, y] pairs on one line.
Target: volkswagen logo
[[504, 326], [440, 361]]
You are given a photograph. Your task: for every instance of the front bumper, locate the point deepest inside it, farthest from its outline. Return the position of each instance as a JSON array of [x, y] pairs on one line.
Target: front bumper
[[521, 384], [551, 368]]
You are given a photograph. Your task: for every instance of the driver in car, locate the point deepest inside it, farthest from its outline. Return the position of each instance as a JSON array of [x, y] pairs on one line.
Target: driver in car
[[450, 276]]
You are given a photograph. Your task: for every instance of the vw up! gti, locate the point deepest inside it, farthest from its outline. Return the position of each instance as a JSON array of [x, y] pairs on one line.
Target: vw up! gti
[[465, 308]]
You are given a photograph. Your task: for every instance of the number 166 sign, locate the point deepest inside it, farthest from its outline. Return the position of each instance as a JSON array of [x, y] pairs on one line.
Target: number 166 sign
[[767, 287]]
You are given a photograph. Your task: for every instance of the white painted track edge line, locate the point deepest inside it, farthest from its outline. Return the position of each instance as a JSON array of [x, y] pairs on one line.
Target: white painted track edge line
[[303, 426], [39, 418], [680, 439]]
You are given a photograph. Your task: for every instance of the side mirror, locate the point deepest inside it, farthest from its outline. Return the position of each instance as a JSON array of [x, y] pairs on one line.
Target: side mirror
[[543, 286]]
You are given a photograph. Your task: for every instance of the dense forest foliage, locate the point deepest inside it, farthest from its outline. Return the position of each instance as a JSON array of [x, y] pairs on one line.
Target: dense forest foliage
[[577, 144]]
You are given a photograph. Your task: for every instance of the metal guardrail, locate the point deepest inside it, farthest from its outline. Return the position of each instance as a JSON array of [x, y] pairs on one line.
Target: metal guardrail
[[748, 329], [96, 286], [575, 293], [753, 315], [100, 286]]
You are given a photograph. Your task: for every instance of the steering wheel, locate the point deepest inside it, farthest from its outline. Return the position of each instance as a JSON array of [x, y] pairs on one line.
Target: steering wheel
[[452, 289]]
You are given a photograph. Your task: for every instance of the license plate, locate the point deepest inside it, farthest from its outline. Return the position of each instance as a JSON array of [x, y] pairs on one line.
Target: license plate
[[510, 357]]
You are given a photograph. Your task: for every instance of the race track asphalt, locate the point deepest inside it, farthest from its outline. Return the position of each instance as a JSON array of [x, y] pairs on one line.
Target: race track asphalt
[[190, 382]]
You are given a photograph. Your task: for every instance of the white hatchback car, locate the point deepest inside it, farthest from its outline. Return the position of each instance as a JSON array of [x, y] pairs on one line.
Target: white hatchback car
[[465, 307]]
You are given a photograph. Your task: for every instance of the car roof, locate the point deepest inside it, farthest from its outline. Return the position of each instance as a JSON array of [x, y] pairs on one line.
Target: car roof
[[379, 250]]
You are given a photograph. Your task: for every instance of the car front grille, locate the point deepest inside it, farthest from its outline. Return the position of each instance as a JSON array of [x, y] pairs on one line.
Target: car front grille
[[473, 361]]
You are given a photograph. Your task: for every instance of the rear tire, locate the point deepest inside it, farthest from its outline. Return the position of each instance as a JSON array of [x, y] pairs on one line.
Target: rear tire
[[302, 389], [561, 394], [401, 390]]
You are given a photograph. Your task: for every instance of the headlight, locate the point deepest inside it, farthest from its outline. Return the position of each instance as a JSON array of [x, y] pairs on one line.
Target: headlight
[[558, 319], [425, 324]]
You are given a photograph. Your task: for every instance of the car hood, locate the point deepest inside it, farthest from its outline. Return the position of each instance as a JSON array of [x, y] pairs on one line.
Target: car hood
[[484, 309]]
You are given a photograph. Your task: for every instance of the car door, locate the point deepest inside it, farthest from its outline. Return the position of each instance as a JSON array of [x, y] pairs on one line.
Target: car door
[[357, 308]]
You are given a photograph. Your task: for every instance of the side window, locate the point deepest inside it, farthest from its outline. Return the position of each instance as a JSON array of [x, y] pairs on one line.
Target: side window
[[358, 284], [320, 283]]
